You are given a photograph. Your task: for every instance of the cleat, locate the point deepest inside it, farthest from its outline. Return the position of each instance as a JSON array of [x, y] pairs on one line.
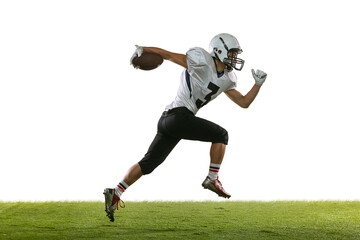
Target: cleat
[[216, 187], [112, 203]]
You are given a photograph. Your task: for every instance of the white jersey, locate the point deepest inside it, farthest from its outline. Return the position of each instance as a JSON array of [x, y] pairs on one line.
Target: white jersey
[[201, 83]]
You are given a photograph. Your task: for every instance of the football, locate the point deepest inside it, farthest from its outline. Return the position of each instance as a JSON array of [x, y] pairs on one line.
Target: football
[[147, 61]]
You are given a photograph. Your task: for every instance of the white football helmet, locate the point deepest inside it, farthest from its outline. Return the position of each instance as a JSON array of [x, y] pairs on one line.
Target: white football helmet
[[225, 48]]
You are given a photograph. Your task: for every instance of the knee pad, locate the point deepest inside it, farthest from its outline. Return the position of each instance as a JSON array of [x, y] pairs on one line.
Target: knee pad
[[225, 137], [151, 161], [222, 137], [146, 169]]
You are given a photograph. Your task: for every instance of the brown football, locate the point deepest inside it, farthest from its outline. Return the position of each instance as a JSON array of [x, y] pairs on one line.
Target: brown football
[[147, 61]]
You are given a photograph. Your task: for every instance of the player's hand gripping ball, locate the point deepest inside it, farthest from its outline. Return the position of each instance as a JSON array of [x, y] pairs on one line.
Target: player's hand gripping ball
[[145, 60]]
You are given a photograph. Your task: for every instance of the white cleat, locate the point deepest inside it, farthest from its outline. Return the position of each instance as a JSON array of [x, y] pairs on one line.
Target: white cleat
[[216, 187], [112, 202]]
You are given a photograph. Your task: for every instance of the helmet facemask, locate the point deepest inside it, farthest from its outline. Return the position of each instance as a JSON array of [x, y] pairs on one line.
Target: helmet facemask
[[232, 61]]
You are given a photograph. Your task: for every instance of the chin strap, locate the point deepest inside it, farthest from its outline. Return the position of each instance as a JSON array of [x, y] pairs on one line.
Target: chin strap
[[229, 68]]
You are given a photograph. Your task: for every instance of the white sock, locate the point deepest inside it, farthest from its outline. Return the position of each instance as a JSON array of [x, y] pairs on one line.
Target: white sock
[[213, 171], [120, 188]]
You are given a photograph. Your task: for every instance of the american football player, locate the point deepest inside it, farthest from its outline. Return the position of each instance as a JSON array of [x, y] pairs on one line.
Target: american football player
[[205, 76]]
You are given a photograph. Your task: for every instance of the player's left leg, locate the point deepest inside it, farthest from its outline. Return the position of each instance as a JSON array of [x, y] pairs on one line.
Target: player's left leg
[[133, 174], [111, 202], [112, 195], [158, 151]]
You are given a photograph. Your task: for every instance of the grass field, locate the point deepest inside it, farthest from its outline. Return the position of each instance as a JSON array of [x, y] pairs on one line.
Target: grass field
[[182, 220]]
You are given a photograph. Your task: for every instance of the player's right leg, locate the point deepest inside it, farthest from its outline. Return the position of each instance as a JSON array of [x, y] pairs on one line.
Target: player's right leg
[[185, 125], [212, 182]]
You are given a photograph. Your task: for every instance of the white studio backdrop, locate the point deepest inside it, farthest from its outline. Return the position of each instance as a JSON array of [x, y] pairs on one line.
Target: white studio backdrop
[[74, 115]]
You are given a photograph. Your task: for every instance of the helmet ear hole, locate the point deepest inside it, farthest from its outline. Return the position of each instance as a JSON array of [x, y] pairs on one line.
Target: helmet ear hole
[[219, 51]]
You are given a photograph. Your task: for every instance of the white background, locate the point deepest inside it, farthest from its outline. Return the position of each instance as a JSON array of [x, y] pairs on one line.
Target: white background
[[74, 115]]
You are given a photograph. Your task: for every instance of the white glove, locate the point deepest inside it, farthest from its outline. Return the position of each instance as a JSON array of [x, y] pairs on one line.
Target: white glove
[[259, 76], [139, 50]]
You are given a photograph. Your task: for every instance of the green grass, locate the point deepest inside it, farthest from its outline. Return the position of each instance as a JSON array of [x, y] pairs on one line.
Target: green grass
[[182, 220]]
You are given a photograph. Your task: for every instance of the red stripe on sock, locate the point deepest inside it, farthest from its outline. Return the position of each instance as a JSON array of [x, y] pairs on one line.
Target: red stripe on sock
[[121, 188], [212, 170]]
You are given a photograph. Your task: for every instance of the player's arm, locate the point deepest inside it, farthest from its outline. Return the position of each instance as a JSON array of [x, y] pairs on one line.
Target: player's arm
[[245, 101], [241, 100], [177, 58]]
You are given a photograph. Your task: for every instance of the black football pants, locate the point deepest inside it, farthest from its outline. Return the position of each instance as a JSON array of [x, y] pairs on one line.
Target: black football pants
[[174, 125]]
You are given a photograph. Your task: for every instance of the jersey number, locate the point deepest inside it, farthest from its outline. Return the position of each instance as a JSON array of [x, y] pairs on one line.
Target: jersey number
[[214, 88]]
